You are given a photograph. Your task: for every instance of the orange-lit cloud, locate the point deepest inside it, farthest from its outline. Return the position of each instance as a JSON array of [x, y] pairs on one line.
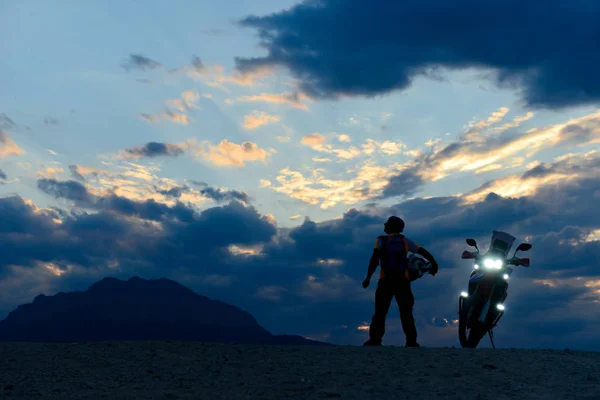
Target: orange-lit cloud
[[231, 154], [258, 118], [480, 150], [292, 99], [538, 175], [368, 181], [8, 147], [215, 75], [312, 140], [178, 118], [186, 102], [344, 138]]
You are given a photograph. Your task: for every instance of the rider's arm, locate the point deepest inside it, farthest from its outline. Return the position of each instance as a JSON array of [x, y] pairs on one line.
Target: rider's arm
[[374, 262], [415, 248], [423, 252]]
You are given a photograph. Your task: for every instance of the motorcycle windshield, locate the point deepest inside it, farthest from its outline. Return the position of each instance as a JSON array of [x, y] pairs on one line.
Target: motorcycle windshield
[[501, 243]]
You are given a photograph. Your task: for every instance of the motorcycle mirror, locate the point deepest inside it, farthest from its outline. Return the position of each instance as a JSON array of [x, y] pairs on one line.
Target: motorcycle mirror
[[472, 243], [524, 247], [467, 255]]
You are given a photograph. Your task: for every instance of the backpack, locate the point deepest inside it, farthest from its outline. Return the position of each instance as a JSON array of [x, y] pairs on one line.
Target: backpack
[[393, 253]]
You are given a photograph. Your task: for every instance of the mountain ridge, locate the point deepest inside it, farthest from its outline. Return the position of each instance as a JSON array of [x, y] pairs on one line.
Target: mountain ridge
[[136, 309]]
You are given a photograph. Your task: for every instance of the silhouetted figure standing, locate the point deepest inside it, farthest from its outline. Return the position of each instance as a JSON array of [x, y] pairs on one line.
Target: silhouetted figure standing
[[391, 251]]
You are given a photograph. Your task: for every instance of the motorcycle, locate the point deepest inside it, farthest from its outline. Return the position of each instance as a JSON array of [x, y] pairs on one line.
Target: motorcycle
[[482, 305]]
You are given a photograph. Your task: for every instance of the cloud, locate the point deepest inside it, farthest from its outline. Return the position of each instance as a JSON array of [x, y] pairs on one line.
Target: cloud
[[220, 195], [51, 121], [175, 191], [8, 147], [70, 190], [227, 153], [314, 270], [368, 180], [178, 118], [184, 104], [551, 68], [344, 138], [316, 141], [6, 122], [214, 32], [264, 183], [292, 99], [82, 197], [481, 148], [312, 140], [135, 182], [110, 236], [3, 175], [76, 174], [151, 118], [258, 118], [214, 75], [539, 175], [272, 293], [50, 172], [140, 62], [154, 149], [387, 147]]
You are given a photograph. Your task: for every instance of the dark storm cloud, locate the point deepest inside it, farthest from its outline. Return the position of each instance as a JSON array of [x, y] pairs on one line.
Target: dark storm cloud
[[216, 194], [94, 239], [366, 47], [219, 195], [80, 195], [155, 149], [288, 290], [140, 62], [70, 190], [404, 184], [174, 192]]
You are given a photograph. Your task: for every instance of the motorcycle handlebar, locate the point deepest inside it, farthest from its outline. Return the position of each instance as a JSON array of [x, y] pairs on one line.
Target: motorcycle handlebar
[[523, 262]]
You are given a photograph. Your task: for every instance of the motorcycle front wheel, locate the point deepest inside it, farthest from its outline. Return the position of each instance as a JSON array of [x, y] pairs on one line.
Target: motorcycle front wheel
[[469, 335], [463, 315]]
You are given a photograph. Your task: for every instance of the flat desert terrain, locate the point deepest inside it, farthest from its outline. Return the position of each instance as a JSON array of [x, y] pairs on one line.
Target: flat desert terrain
[[188, 370]]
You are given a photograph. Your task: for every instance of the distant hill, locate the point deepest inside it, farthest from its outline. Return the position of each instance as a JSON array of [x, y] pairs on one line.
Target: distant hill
[[136, 309]]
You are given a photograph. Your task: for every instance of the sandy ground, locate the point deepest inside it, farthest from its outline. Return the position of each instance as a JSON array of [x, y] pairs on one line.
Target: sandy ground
[[176, 370]]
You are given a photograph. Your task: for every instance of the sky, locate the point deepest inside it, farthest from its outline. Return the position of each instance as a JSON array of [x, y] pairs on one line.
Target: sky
[[251, 150]]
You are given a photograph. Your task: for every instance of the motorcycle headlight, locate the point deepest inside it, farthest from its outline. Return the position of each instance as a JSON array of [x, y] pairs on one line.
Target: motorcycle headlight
[[491, 263]]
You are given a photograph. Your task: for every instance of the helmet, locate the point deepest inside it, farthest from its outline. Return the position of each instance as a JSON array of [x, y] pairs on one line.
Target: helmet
[[415, 263], [393, 225]]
